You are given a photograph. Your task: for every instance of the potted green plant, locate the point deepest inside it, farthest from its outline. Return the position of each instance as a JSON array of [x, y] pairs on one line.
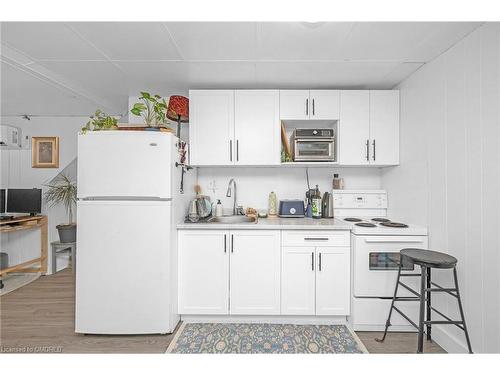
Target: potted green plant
[[100, 121], [152, 109], [62, 190]]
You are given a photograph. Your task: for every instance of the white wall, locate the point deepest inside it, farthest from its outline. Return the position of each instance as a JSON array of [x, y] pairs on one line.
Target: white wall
[[255, 183], [16, 164], [449, 176]]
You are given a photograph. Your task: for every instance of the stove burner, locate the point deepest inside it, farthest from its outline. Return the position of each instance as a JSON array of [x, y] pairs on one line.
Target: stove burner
[[365, 225], [380, 220], [353, 219], [394, 225]]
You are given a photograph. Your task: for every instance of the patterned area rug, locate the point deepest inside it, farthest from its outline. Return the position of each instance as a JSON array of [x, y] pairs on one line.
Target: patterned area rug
[[252, 338]]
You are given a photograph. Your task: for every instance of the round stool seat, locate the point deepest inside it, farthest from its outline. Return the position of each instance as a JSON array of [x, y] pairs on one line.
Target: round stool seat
[[429, 258]]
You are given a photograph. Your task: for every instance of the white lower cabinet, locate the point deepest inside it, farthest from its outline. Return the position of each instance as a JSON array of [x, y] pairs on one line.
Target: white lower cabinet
[[298, 279], [315, 278], [229, 272], [333, 279], [255, 272], [203, 272], [264, 272]]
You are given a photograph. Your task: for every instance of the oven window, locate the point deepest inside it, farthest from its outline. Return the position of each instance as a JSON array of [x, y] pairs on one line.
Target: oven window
[[316, 149], [387, 261]]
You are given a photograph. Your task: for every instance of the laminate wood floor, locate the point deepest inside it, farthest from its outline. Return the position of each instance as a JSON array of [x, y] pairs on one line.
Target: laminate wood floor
[[41, 315]]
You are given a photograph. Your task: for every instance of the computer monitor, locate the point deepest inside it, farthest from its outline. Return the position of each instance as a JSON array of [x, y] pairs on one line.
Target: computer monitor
[[27, 201], [2, 201]]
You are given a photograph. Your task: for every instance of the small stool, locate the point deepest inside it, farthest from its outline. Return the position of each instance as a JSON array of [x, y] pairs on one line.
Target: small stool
[[59, 247], [427, 259]]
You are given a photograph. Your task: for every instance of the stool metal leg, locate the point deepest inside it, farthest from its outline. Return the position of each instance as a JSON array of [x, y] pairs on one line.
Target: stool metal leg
[[388, 322], [428, 313], [423, 282], [462, 316]]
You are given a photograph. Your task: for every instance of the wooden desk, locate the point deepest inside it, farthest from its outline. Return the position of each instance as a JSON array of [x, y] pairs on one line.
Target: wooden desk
[[26, 223]]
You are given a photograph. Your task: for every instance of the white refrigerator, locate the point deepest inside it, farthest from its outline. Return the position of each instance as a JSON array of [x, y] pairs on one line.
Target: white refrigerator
[[128, 205]]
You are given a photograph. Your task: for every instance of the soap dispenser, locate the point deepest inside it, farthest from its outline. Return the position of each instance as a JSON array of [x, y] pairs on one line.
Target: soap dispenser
[[218, 208]]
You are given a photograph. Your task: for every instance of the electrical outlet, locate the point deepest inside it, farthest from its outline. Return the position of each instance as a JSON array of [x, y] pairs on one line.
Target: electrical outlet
[[212, 186]]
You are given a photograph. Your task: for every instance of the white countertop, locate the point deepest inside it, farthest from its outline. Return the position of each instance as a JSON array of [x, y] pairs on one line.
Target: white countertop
[[275, 223]]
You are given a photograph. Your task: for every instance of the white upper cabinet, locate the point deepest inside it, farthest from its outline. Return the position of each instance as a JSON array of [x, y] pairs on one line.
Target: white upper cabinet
[[324, 104], [257, 136], [384, 127], [255, 272], [354, 133], [211, 127], [369, 127], [309, 104], [294, 104]]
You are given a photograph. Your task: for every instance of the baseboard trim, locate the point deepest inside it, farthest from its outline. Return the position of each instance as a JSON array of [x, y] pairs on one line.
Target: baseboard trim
[[448, 342], [277, 319]]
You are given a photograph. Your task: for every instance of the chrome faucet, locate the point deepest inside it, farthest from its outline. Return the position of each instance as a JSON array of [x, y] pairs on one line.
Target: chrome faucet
[[229, 192]]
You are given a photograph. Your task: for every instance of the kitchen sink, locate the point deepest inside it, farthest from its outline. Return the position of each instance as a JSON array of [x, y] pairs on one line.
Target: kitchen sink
[[233, 219]]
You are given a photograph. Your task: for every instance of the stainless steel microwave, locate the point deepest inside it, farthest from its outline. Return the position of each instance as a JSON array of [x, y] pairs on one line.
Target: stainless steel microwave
[[313, 145]]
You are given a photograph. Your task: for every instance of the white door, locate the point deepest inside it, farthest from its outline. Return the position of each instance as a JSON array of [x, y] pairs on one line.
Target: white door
[[384, 127], [325, 104], [294, 104], [257, 127], [333, 281], [255, 272], [203, 272], [123, 273], [298, 280], [376, 262], [124, 164], [211, 127], [354, 131]]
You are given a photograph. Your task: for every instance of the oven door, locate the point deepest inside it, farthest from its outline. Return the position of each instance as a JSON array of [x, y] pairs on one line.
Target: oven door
[[376, 262], [314, 150]]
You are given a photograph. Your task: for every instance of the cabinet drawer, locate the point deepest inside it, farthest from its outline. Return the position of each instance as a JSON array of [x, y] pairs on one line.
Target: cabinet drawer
[[316, 238]]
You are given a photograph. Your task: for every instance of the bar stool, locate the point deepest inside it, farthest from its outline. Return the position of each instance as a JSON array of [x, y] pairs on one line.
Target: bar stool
[[427, 259]]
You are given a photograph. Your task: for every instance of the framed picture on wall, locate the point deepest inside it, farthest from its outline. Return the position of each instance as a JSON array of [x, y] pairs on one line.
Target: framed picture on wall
[[45, 152]]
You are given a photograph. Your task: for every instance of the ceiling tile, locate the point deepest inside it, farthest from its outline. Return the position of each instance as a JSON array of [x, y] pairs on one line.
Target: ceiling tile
[[215, 40], [222, 74], [99, 77], [23, 93], [301, 40], [401, 41], [321, 74], [47, 40], [130, 40]]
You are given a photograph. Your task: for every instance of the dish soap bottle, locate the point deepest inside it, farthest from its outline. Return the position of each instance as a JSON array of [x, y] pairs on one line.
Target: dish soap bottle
[[218, 208], [338, 183], [316, 204], [273, 204]]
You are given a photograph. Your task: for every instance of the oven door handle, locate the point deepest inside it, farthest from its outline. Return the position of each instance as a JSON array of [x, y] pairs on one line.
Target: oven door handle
[[399, 240]]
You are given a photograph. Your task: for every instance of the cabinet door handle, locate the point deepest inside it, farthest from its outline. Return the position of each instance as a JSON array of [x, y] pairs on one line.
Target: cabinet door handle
[[225, 247], [307, 107], [320, 261], [312, 260], [313, 107], [230, 150], [367, 150], [315, 239], [373, 149], [232, 243], [237, 150]]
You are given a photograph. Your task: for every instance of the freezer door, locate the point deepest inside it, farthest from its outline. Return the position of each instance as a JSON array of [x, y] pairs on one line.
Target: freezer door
[[123, 267], [125, 164]]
